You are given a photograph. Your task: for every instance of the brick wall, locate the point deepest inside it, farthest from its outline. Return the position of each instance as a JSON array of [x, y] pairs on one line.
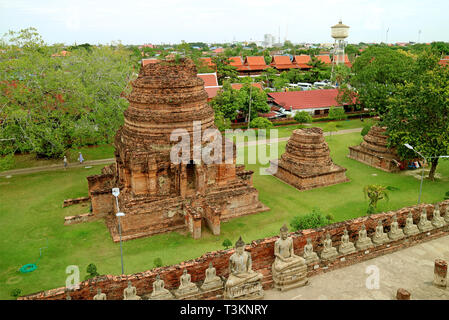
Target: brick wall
[[262, 252]]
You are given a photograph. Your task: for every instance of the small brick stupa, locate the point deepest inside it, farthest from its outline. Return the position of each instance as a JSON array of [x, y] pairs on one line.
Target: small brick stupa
[[156, 194], [374, 152], [306, 162]]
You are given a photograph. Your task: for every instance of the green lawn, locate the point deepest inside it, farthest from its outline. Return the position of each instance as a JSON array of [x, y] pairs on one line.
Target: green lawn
[[31, 212]]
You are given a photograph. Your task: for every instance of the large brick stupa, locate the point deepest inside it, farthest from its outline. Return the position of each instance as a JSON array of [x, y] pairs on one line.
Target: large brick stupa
[[156, 194], [306, 162]]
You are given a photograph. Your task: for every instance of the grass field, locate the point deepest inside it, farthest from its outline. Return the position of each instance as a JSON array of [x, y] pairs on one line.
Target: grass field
[[31, 212], [107, 150]]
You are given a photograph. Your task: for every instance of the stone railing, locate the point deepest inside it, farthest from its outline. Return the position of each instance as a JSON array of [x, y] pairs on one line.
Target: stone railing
[[262, 252]]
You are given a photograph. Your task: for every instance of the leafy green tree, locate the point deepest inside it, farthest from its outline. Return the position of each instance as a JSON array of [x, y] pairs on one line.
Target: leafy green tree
[[337, 113], [258, 100], [303, 117], [91, 271], [418, 114], [227, 243], [227, 102], [376, 73], [261, 123], [15, 293], [224, 69], [375, 193]]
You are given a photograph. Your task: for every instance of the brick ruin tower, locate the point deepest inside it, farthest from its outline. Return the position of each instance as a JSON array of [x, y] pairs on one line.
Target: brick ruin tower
[[306, 162], [156, 194], [374, 152]]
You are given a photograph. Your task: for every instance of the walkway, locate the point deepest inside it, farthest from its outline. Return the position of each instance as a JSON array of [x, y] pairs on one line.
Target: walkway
[[411, 269], [111, 160]]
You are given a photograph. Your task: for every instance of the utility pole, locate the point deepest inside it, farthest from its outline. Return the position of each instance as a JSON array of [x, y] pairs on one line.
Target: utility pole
[[386, 36], [249, 108]]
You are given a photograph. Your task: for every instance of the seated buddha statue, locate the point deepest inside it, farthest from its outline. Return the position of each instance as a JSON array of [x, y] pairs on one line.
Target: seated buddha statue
[[395, 233], [186, 286], [380, 237], [243, 282], [289, 270], [130, 293], [100, 295], [363, 242], [159, 292], [309, 255], [346, 247], [212, 281], [446, 216], [328, 253], [437, 220], [424, 225]]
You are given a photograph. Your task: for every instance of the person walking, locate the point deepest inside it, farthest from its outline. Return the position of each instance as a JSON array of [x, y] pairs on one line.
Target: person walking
[[80, 157], [65, 163]]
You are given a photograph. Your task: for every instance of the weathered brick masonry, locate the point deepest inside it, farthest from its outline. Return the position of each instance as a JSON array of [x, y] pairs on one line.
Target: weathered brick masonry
[[262, 252]]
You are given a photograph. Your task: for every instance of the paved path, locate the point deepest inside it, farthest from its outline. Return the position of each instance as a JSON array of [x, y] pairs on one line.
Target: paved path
[[411, 269], [110, 160]]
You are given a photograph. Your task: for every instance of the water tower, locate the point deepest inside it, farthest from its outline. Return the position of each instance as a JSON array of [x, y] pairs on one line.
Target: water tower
[[339, 32]]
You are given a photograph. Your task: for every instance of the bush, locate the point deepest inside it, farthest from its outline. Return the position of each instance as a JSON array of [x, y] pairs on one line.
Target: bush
[[446, 196], [91, 271], [16, 292], [303, 117], [7, 162], [157, 262], [312, 220], [226, 243], [222, 123], [365, 130], [337, 114], [261, 123]]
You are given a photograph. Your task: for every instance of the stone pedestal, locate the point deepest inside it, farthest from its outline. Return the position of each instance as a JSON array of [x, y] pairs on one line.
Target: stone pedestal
[[306, 163], [402, 294], [291, 278], [440, 273], [246, 291], [185, 292], [212, 285], [161, 295]]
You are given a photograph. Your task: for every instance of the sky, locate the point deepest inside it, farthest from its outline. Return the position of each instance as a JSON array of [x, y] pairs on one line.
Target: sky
[[171, 21]]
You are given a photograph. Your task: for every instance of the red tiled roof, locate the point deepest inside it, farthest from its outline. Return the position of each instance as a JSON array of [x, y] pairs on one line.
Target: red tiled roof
[[235, 61], [444, 62], [282, 62], [302, 61], [238, 86], [210, 79], [218, 50], [255, 63], [147, 61], [212, 91], [310, 99], [268, 115], [324, 58], [63, 53]]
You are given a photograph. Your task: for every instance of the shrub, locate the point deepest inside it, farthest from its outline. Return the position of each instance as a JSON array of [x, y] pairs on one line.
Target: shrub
[[16, 292], [312, 220], [337, 114], [365, 130], [261, 123], [303, 117], [446, 196], [226, 243], [375, 193], [157, 262], [91, 271], [7, 162], [222, 123]]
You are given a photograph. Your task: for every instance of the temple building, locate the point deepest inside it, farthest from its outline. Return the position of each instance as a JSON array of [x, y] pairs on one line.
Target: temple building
[[374, 151], [306, 162], [157, 194]]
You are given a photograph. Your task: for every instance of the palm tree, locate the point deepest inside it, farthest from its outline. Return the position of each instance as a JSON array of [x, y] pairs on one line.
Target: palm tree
[[375, 193]]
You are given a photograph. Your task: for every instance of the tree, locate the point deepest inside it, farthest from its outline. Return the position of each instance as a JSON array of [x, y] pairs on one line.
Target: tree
[[375, 193], [261, 123], [227, 102], [258, 100], [376, 73], [337, 113], [303, 117], [226, 243], [224, 69], [91, 271], [418, 114]]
